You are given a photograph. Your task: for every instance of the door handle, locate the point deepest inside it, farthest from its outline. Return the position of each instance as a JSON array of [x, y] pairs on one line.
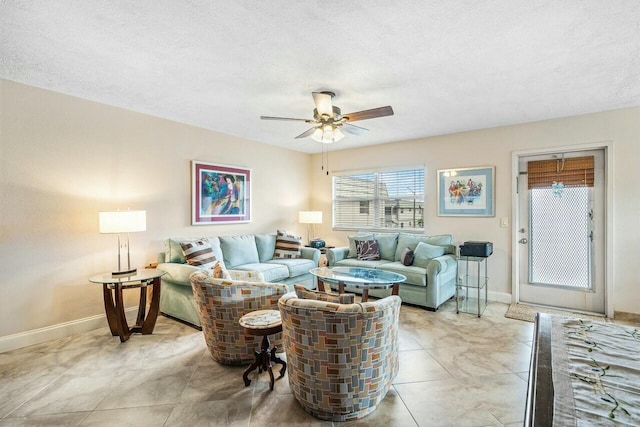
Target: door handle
[[523, 241]]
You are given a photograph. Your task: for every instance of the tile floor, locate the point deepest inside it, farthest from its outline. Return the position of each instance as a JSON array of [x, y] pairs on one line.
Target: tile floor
[[455, 370]]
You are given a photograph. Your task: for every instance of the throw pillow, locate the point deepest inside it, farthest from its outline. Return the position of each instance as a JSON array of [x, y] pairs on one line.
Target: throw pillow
[[198, 253], [407, 257], [352, 243], [220, 271], [304, 293], [287, 246], [367, 250], [425, 252]]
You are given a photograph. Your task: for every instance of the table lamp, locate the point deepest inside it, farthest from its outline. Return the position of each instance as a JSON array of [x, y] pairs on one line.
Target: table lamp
[[119, 222], [310, 217]]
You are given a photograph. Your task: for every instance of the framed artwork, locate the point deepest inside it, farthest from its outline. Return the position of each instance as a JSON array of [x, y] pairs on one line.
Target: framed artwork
[[466, 191], [220, 194]]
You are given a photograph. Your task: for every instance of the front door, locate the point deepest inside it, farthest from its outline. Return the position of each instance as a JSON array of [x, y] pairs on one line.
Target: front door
[[560, 227]]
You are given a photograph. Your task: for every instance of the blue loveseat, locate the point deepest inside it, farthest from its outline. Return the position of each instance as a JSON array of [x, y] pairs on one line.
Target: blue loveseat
[[251, 252]]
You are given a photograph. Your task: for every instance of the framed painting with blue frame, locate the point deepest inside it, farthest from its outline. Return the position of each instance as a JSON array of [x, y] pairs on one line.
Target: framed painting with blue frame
[[220, 194], [466, 191]]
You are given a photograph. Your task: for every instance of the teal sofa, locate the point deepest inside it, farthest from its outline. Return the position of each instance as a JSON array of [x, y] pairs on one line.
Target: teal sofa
[[245, 253], [429, 285]]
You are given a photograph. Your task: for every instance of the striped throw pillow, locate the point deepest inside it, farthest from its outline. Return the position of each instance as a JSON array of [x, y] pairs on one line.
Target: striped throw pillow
[[198, 253], [287, 246]]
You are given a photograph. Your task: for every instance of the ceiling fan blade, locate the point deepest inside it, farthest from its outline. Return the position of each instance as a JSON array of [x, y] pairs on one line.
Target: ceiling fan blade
[[323, 103], [353, 129], [285, 118], [369, 114], [306, 133]]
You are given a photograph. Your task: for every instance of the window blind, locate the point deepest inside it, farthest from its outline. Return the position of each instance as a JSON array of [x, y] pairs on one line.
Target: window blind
[[572, 172], [379, 199]]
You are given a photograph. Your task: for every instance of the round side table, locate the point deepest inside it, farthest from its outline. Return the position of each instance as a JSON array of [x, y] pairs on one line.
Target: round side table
[[112, 288], [263, 323]]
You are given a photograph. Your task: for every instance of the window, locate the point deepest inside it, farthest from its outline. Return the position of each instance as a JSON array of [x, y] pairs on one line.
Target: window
[[379, 200]]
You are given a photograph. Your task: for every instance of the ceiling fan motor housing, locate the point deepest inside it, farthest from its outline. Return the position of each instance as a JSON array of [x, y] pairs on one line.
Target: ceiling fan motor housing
[[336, 115]]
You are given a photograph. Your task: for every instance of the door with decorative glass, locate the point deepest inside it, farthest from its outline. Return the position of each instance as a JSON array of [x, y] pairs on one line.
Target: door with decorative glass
[[561, 230]]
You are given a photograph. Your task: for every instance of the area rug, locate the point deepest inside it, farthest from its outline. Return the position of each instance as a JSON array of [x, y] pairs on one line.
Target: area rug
[[528, 313]]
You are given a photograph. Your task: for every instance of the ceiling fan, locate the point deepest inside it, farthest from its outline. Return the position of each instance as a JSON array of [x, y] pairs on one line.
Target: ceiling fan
[[329, 122]]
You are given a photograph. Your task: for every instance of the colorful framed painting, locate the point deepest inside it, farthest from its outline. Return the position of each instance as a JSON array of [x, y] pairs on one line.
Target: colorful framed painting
[[466, 191], [220, 194]]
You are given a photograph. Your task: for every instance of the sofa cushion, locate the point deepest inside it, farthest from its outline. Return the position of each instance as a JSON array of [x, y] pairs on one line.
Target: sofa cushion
[[367, 250], [296, 266], [415, 275], [287, 245], [425, 252], [198, 253], [266, 245], [406, 240], [352, 262], [239, 250], [305, 293], [352, 242], [387, 242], [271, 272]]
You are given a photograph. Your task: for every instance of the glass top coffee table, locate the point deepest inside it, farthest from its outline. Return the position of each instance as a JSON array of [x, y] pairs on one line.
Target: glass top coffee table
[[359, 278]]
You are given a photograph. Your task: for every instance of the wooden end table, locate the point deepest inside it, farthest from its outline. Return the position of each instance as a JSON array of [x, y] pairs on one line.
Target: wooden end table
[[112, 288]]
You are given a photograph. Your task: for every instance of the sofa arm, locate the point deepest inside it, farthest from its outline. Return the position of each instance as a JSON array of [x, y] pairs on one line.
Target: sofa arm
[[336, 254], [312, 254], [177, 273], [439, 265]]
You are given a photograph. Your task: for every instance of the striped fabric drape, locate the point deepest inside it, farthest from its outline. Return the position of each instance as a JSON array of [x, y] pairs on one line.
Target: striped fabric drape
[[572, 172]]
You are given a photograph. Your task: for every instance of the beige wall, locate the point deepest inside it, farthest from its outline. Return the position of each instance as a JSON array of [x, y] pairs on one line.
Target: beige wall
[[494, 147], [63, 159]]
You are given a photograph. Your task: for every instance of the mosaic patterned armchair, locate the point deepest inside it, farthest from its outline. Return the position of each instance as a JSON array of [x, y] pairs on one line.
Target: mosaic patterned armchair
[[341, 358], [221, 303]]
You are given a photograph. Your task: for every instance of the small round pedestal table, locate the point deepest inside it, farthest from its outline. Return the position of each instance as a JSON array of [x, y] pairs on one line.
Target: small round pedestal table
[[263, 323]]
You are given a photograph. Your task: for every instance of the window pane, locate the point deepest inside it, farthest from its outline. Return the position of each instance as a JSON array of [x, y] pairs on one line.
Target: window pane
[[386, 199], [560, 242], [347, 214]]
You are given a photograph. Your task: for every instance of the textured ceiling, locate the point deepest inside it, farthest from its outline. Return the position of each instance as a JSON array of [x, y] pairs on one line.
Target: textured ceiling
[[445, 66]]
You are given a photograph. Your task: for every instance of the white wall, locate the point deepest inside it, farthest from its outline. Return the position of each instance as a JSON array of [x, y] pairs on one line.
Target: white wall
[[494, 147], [63, 159]]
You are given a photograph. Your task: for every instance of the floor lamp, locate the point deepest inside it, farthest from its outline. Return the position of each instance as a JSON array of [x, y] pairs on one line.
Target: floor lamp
[[120, 222]]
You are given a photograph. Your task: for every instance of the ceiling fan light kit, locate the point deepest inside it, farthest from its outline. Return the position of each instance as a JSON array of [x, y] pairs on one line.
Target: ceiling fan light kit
[[329, 122]]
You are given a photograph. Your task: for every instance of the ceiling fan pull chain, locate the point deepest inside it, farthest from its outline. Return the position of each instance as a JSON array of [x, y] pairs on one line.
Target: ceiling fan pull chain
[[327, 161]]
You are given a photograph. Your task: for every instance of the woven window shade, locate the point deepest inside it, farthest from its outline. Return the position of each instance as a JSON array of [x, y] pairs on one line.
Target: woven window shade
[[576, 172]]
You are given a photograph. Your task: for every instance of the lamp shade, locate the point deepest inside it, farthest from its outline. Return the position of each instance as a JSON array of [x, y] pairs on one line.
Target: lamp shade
[[122, 221], [310, 217]]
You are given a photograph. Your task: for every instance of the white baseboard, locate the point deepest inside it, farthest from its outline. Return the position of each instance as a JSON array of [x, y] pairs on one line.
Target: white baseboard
[[61, 330], [499, 297]]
